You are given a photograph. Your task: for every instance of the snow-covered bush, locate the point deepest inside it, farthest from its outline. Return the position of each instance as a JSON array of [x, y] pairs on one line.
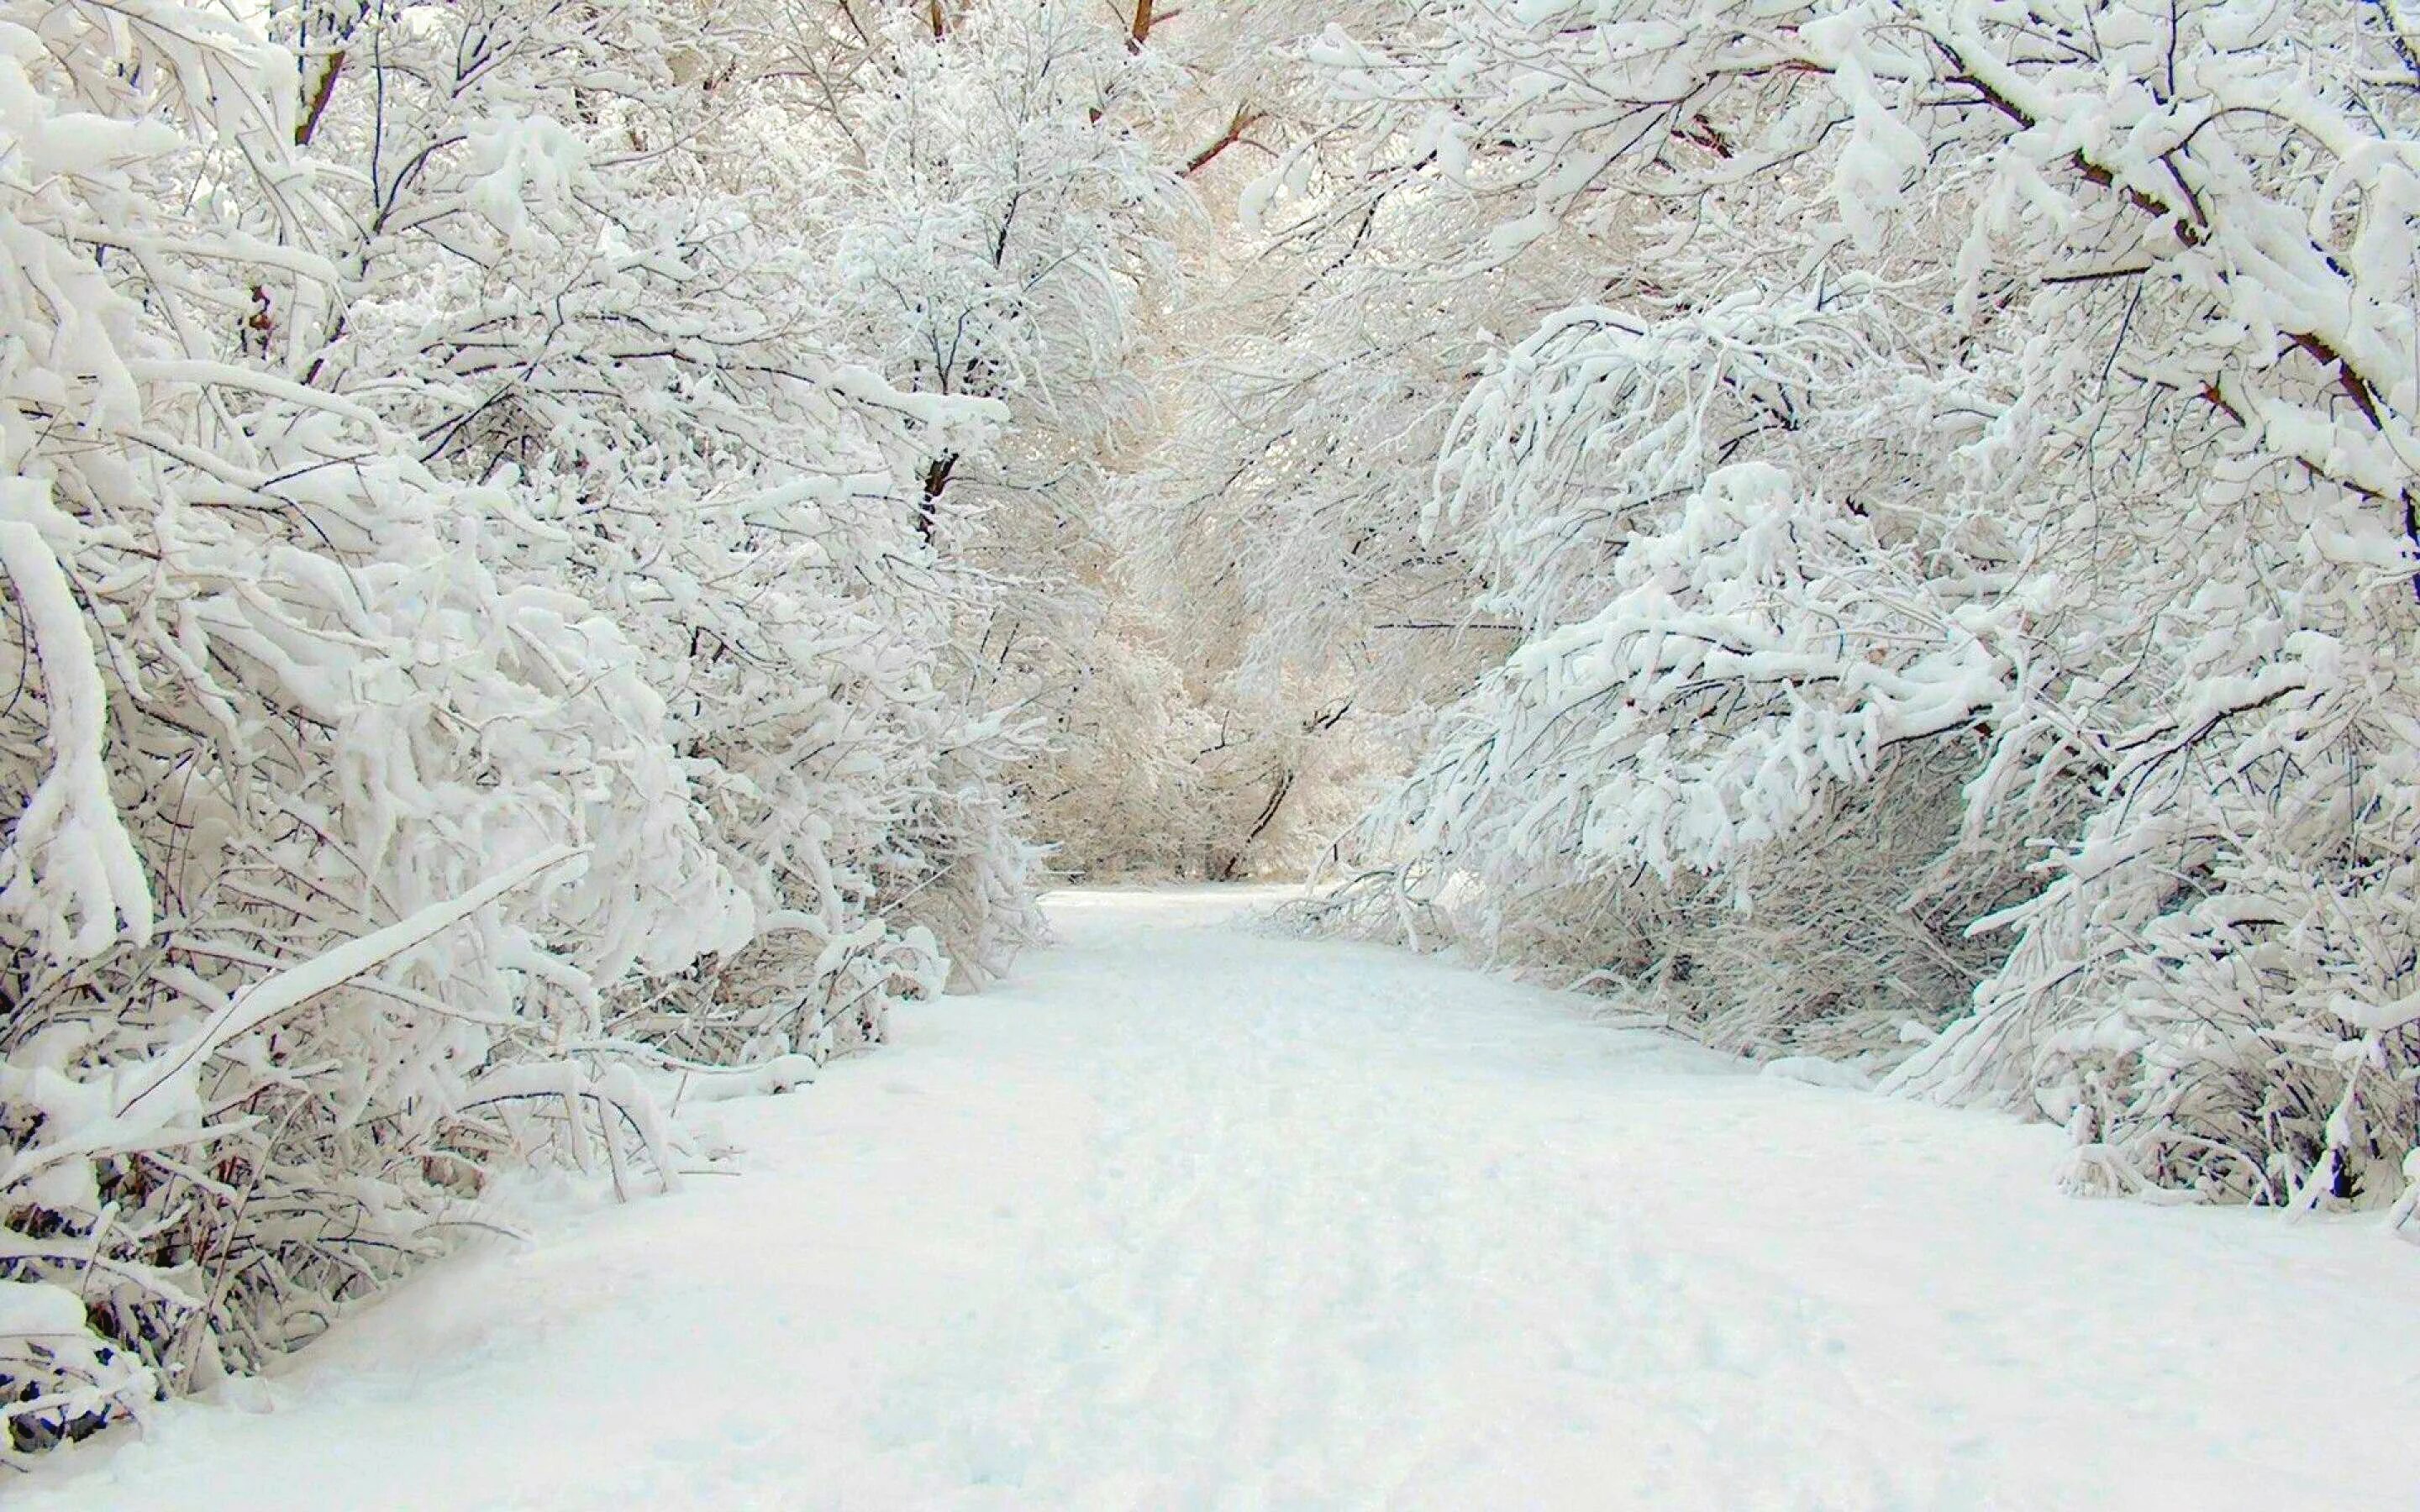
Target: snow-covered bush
[[1959, 521], [475, 651]]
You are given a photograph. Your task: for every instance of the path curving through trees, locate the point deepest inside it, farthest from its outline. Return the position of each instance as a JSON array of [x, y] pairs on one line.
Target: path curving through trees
[[1191, 1216]]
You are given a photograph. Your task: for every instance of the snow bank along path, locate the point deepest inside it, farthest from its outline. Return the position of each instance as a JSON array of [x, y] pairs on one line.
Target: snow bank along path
[[1188, 1217]]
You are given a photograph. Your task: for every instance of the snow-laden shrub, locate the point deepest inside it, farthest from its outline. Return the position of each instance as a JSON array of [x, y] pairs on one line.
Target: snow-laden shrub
[[1867, 954], [1974, 488], [474, 651]]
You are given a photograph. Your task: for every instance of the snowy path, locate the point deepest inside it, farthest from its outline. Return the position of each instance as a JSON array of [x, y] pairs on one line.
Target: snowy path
[[1189, 1217]]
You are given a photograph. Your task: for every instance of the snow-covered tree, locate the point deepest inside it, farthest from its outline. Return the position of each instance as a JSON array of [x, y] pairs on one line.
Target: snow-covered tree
[[479, 658], [1958, 521], [1015, 210]]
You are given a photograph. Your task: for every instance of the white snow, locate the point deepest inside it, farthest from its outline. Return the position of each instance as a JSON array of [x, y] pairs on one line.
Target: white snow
[[1191, 1216]]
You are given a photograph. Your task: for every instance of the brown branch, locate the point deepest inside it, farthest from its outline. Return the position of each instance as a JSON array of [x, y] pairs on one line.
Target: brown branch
[[318, 106], [1236, 125], [937, 477], [1699, 132], [2355, 387]]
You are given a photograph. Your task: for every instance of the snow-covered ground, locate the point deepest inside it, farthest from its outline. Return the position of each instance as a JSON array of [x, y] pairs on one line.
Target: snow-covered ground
[[1189, 1216]]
